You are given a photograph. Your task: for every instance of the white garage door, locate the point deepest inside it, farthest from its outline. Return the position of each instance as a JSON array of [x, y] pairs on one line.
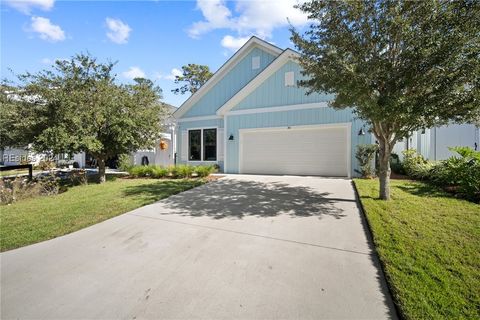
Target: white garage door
[[321, 151]]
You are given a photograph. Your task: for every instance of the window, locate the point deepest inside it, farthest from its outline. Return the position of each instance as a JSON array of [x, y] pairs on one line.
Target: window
[[289, 79], [255, 63], [194, 145], [202, 145], [210, 144]]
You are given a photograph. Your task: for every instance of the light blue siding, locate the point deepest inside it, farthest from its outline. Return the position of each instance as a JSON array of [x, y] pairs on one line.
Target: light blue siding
[[272, 92], [291, 118], [201, 124], [231, 83]]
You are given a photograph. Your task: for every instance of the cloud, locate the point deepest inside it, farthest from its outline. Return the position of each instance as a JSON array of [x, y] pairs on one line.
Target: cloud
[[119, 31], [52, 61], [133, 72], [249, 17], [174, 73], [233, 43], [26, 6], [171, 76], [47, 30]]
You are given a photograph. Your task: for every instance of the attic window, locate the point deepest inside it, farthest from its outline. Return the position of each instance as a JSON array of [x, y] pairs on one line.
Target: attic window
[[255, 63], [289, 79]]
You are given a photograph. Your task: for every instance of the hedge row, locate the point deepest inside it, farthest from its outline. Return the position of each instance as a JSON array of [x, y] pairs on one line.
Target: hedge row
[[175, 172]]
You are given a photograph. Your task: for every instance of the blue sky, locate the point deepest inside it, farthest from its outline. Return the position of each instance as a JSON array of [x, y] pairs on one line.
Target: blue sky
[[149, 38]]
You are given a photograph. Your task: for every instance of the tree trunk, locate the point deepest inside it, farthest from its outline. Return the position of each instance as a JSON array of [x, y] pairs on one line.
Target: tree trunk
[[101, 171], [384, 170]]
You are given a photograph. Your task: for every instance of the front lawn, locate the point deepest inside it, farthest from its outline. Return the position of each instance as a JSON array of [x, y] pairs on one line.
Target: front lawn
[[42, 218], [429, 244]]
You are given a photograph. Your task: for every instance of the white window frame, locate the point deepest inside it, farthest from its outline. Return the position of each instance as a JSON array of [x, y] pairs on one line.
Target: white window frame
[[201, 145]]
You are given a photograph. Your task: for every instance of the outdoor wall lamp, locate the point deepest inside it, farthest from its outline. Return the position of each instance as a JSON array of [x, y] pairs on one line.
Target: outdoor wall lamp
[[361, 132], [231, 138]]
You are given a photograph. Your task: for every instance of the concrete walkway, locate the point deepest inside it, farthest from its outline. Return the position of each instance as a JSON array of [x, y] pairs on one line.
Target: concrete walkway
[[244, 247]]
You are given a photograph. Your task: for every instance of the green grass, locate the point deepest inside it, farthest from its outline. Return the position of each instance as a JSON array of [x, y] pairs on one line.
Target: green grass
[[38, 219], [429, 244]]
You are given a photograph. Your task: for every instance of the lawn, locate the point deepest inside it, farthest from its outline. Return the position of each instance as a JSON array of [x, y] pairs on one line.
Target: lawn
[[38, 219], [429, 245]]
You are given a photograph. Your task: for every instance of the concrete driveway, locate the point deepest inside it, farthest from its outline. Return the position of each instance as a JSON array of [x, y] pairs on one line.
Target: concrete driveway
[[244, 247]]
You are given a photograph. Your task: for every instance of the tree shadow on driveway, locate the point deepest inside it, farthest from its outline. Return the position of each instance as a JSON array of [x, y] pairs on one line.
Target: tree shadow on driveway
[[238, 198]]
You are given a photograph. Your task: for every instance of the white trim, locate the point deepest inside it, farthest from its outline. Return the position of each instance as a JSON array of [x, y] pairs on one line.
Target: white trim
[[291, 107], [199, 118], [201, 145], [224, 69], [347, 125], [286, 55], [225, 139]]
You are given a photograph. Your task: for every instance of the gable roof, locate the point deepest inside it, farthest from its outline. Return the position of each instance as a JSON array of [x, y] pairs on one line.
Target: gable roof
[[276, 64], [224, 69]]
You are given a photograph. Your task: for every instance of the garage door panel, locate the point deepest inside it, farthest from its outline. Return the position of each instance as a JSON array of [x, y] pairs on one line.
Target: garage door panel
[[313, 151]]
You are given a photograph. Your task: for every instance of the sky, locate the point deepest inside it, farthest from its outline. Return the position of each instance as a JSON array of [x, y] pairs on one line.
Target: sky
[[151, 39]]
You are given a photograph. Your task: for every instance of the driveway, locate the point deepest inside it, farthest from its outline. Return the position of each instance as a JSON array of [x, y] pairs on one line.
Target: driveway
[[244, 247]]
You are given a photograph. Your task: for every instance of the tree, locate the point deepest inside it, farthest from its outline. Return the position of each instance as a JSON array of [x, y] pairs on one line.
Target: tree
[[401, 65], [195, 76], [78, 107]]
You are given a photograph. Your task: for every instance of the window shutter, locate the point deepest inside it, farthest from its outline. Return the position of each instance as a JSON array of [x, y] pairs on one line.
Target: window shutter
[[184, 148], [220, 144]]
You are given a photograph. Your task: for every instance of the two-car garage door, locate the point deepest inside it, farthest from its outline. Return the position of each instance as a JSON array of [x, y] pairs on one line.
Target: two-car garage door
[[322, 151]]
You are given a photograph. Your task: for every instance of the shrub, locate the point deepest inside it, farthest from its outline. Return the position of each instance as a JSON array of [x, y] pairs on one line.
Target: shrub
[[183, 171], [142, 171], [78, 177], [20, 188], [204, 171], [365, 155], [159, 172], [45, 165], [416, 166], [462, 172], [396, 165], [125, 162]]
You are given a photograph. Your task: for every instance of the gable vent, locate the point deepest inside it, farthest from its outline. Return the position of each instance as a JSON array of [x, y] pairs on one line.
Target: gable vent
[[255, 62], [289, 79]]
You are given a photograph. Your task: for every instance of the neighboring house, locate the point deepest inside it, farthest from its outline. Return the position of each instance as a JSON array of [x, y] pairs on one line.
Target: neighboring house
[[434, 143], [252, 117]]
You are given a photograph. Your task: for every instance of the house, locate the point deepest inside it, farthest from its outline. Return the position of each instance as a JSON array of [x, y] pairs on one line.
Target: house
[[251, 117]]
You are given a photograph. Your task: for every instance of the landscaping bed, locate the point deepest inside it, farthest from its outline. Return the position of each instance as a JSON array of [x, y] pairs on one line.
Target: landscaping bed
[[41, 218], [429, 245]]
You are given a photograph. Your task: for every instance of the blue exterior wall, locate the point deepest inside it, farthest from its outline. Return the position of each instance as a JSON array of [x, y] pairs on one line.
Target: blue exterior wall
[[230, 84], [291, 118], [272, 92], [204, 124]]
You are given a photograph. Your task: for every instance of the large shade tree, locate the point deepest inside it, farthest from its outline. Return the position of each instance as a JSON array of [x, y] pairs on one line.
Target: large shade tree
[[77, 106], [401, 65]]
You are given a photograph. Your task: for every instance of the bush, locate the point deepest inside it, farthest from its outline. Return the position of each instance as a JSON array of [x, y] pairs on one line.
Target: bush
[[396, 165], [78, 177], [183, 171], [45, 165], [365, 155], [159, 172], [204, 171], [125, 162], [461, 172], [142, 171], [416, 166], [20, 188]]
